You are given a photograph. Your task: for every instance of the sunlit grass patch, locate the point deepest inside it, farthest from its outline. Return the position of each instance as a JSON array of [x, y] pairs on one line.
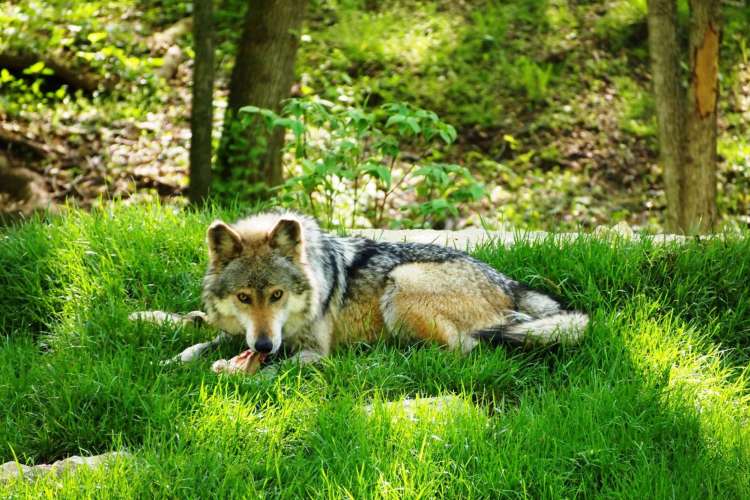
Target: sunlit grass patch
[[695, 379], [401, 35], [653, 403]]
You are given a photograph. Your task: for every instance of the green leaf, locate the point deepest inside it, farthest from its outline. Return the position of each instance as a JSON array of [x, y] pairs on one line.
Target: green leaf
[[34, 68], [295, 126], [413, 124], [97, 36], [448, 134], [388, 146], [249, 109], [395, 120], [378, 171], [5, 76]]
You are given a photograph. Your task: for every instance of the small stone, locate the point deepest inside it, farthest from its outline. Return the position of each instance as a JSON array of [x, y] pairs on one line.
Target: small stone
[[411, 408]]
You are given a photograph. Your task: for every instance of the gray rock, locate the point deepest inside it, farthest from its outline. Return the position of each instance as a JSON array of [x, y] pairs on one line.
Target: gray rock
[[12, 470], [412, 409]]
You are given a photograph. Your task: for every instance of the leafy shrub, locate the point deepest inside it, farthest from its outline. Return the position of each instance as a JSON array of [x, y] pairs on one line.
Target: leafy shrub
[[340, 150]]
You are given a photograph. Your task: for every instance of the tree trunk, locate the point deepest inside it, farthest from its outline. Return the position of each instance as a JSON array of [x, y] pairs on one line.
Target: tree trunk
[[687, 123], [201, 116], [262, 76], [699, 203], [665, 56]]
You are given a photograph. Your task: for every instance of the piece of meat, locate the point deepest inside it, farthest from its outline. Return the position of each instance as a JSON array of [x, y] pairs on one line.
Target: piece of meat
[[245, 362]]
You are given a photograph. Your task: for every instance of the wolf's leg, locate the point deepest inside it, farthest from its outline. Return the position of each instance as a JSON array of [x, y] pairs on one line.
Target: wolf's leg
[[302, 357], [160, 318], [194, 352], [310, 347], [192, 318], [443, 302]]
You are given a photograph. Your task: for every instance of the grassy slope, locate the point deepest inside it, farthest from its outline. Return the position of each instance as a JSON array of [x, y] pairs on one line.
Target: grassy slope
[[648, 406]]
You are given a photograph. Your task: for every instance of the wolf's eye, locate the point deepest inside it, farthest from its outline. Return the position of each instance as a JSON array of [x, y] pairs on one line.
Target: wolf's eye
[[244, 298], [276, 295]]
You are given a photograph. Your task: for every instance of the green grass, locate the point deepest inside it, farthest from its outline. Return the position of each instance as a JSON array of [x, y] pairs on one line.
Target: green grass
[[653, 404]]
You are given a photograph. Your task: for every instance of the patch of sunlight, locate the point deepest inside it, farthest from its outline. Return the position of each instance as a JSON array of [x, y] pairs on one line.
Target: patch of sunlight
[[671, 352], [622, 13], [433, 409], [225, 420], [418, 432], [412, 37], [559, 15]]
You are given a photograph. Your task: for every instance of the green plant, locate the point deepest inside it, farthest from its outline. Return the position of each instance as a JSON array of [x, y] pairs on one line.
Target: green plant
[[233, 178], [532, 78], [340, 149]]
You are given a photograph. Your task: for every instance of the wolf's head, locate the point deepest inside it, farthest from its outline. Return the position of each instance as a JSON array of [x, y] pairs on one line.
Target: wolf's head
[[256, 278]]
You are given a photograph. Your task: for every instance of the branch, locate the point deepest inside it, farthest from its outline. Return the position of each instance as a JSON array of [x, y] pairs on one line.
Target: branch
[[75, 77], [9, 136], [161, 41]]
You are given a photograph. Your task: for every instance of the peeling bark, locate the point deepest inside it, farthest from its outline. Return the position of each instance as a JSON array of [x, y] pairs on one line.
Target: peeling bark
[[705, 71], [699, 173]]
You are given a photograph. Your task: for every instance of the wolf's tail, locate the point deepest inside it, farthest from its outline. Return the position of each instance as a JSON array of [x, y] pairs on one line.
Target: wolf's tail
[[539, 321]]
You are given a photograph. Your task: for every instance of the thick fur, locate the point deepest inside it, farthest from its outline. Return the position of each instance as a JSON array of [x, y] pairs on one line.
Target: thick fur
[[277, 279]]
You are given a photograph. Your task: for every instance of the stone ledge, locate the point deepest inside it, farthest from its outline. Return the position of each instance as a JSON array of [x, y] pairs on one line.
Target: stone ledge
[[12, 470], [466, 239]]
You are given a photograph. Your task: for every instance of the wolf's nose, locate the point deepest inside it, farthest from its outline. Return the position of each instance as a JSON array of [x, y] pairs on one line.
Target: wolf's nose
[[263, 345]]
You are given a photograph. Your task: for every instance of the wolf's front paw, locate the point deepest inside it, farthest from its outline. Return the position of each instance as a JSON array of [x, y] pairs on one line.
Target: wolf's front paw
[[220, 366]]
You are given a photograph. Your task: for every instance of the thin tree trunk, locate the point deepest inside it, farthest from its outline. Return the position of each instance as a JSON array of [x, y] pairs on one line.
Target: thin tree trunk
[[201, 116], [262, 76], [699, 201], [665, 56]]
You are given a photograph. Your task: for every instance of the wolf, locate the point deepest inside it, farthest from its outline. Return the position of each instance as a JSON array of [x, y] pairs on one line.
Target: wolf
[[279, 281]]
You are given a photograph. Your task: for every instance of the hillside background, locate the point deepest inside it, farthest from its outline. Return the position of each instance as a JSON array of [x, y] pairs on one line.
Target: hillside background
[[551, 101]]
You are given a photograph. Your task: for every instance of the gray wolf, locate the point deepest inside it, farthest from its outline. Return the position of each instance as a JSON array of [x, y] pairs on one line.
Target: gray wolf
[[278, 280]]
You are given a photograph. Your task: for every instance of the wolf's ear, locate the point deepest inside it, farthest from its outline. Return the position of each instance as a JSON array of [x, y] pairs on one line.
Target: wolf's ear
[[224, 243], [286, 237]]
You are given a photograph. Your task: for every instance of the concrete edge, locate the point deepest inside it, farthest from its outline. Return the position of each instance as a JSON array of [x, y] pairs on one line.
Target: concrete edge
[[466, 239]]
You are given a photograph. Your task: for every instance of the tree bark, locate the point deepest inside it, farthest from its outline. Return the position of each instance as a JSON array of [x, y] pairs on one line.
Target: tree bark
[[665, 56], [262, 76], [687, 121], [201, 116], [699, 197]]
